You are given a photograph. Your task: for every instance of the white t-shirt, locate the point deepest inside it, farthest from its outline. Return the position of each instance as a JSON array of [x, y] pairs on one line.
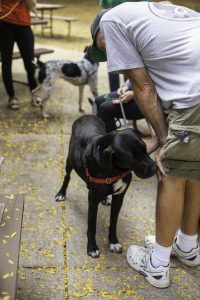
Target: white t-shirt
[[164, 38]]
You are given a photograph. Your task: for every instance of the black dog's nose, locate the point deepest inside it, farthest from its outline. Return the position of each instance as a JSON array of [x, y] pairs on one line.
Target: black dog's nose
[[146, 170]]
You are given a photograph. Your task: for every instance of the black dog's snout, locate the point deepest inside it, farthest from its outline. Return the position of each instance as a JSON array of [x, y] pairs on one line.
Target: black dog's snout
[[146, 169]]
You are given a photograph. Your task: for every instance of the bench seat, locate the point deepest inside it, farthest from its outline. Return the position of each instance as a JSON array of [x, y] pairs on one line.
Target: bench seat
[[12, 207], [67, 19]]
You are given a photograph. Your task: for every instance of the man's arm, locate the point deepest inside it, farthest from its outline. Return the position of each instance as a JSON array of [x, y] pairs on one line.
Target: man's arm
[[147, 99]]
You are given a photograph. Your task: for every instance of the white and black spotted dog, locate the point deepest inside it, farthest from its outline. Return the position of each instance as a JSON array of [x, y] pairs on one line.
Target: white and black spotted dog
[[78, 73]]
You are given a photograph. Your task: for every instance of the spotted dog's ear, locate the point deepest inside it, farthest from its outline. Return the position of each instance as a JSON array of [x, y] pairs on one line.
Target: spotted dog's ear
[[106, 158]]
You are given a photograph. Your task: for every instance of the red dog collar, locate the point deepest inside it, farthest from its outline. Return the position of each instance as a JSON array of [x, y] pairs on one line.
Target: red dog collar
[[105, 180]]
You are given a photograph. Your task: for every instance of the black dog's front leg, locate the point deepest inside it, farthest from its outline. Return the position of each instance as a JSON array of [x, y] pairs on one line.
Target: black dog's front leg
[[61, 195], [116, 205], [92, 248]]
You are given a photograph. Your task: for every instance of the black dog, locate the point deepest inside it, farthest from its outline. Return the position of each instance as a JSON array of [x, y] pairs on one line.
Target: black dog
[[105, 161]]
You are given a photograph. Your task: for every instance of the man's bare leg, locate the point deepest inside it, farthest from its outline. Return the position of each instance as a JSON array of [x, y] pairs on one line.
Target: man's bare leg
[[169, 209], [191, 212]]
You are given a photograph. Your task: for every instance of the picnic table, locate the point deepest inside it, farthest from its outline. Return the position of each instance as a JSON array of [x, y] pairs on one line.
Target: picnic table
[[48, 7]]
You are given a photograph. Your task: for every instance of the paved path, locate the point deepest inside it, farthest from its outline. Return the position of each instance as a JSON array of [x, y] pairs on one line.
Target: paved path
[[53, 260]]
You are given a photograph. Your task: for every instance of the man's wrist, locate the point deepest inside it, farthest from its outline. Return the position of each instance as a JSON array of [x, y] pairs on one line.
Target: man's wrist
[[161, 142]]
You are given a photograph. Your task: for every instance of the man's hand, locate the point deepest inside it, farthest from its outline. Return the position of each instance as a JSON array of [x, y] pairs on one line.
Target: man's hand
[[159, 158], [152, 144], [122, 90]]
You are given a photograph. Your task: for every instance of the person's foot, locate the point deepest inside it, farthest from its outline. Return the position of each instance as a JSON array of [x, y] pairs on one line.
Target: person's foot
[[191, 258], [13, 103], [139, 258]]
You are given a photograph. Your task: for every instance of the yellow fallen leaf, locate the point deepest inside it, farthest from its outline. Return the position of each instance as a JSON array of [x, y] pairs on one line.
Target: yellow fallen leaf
[[11, 196], [6, 276], [4, 242], [11, 262], [13, 234]]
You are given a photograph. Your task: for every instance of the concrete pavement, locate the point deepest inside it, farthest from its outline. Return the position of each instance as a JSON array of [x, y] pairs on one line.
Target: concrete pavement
[[53, 260]]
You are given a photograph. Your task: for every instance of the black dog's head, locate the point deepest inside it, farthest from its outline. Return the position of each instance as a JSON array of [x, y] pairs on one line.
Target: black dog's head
[[125, 150], [87, 55]]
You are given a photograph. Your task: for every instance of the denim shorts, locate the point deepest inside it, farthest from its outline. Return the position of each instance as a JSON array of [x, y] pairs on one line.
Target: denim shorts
[[182, 148]]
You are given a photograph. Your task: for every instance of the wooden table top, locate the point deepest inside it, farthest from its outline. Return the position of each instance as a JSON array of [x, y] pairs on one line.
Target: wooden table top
[[41, 6]]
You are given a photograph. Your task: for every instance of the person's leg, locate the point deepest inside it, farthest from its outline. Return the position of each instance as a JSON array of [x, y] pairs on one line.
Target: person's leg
[[105, 97], [131, 111], [114, 81], [191, 212], [106, 113], [7, 39], [25, 42], [169, 209]]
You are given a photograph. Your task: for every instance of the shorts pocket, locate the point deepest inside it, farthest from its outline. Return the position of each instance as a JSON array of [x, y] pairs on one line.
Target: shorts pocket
[[183, 143]]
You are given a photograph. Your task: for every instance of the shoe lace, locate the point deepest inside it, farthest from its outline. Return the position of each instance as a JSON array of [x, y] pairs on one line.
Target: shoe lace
[[143, 257]]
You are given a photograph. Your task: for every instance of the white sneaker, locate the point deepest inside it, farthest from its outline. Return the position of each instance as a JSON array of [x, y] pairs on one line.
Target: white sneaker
[[191, 258], [139, 258]]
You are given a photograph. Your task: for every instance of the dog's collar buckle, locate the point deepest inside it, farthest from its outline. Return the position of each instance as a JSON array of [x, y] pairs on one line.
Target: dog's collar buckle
[[108, 180], [105, 180]]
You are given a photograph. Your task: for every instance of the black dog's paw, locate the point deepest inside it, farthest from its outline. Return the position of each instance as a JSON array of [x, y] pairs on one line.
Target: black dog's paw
[[117, 248], [60, 197], [94, 253], [106, 201]]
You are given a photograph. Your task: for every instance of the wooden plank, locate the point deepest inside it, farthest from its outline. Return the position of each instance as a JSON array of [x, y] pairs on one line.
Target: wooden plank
[[10, 235], [62, 18], [1, 160], [2, 205], [38, 22], [37, 52]]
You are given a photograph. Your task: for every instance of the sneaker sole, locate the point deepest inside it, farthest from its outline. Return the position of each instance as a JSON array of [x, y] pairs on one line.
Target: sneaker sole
[[186, 262], [152, 281]]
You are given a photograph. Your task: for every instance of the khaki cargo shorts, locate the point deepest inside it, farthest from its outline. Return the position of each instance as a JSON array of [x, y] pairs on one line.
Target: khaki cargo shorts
[[182, 148]]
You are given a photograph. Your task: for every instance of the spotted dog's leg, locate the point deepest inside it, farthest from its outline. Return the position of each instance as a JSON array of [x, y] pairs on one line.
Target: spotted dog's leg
[[81, 90], [47, 87], [92, 82]]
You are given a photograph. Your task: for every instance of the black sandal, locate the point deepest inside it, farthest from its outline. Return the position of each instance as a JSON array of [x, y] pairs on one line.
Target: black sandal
[[13, 103]]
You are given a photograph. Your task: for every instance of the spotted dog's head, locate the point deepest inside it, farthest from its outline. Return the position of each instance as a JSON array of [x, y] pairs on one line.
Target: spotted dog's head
[[87, 55]]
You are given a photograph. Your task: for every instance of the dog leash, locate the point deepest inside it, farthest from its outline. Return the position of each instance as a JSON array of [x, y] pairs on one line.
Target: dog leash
[[123, 113], [11, 10]]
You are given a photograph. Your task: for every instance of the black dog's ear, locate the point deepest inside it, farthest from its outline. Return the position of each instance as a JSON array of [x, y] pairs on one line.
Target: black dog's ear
[[136, 131], [106, 158]]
